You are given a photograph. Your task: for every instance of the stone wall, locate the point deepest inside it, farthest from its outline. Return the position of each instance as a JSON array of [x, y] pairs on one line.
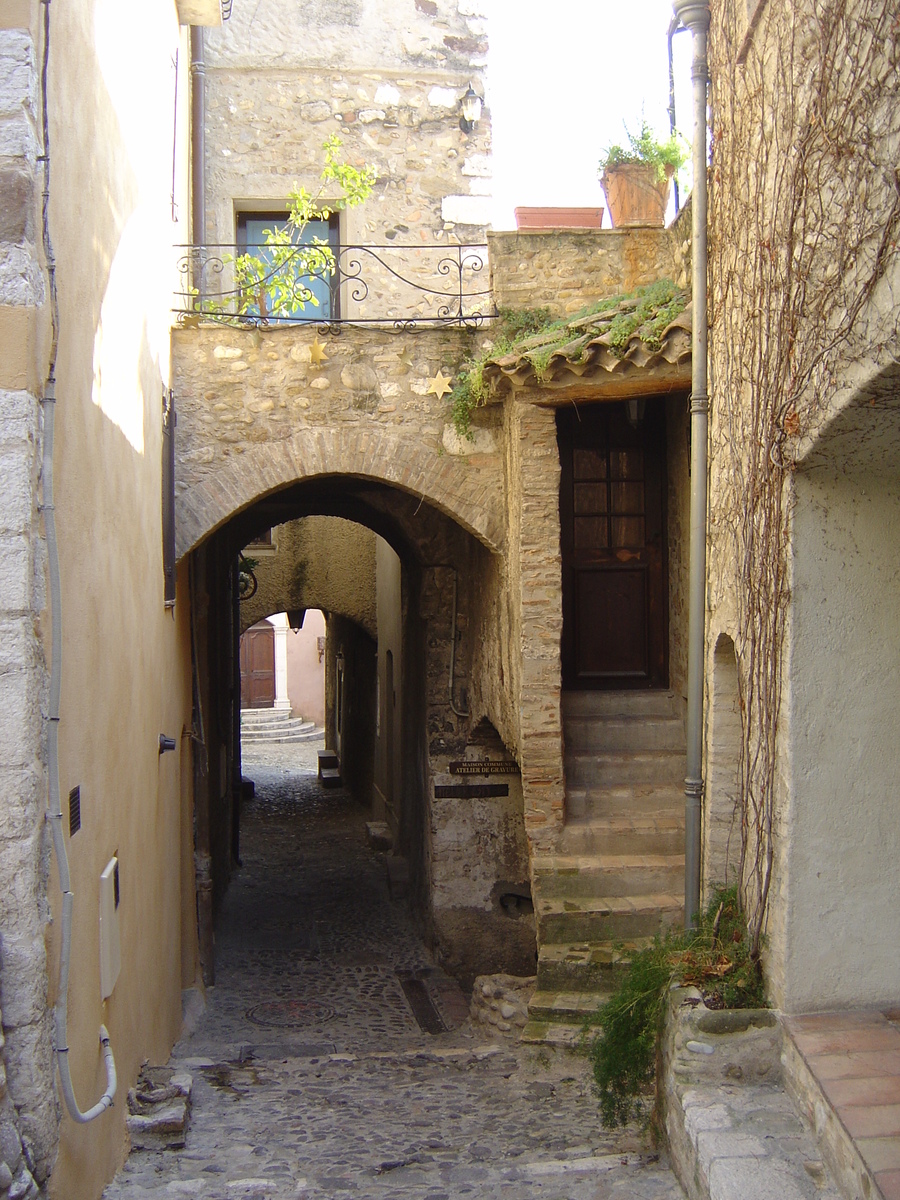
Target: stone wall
[[801, 342], [678, 529], [386, 79], [255, 413], [536, 626], [569, 270], [28, 1116]]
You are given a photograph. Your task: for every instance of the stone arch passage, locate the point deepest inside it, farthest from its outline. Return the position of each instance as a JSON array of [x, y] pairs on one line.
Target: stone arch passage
[[473, 496], [721, 826]]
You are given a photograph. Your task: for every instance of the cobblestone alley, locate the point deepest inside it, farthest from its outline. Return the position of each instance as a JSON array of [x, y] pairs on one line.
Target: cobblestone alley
[[312, 1076]]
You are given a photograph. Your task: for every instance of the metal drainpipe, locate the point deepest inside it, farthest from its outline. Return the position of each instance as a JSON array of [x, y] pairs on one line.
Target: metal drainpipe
[[198, 156], [694, 14]]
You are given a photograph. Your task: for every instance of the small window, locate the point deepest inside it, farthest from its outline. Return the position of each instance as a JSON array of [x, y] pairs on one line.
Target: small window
[[251, 237], [261, 547]]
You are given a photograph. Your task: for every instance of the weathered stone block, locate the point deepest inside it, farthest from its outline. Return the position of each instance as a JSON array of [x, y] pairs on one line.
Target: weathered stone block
[[15, 578], [19, 717], [17, 73], [16, 204], [24, 979]]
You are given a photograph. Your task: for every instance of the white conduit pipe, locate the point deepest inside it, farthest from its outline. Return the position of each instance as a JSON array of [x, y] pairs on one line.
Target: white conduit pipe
[[55, 816]]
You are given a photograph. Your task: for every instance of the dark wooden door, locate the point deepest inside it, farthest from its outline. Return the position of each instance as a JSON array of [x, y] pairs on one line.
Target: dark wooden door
[[613, 542], [258, 667]]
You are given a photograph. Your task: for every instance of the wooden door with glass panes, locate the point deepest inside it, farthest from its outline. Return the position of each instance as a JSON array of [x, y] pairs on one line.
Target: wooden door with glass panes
[[613, 542]]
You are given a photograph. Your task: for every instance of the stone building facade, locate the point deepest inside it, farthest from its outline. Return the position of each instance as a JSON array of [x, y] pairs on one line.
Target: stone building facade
[[802, 641]]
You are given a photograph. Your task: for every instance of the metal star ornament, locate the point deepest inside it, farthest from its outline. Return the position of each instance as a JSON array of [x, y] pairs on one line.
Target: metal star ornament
[[317, 353], [440, 385]]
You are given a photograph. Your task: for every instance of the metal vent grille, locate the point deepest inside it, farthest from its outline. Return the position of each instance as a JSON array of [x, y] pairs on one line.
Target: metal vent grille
[[74, 810]]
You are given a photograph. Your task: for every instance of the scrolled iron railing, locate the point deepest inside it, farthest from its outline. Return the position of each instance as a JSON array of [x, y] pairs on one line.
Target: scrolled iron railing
[[407, 286]]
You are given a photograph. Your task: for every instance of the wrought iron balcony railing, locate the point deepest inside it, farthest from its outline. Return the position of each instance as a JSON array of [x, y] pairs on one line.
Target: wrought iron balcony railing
[[407, 286]]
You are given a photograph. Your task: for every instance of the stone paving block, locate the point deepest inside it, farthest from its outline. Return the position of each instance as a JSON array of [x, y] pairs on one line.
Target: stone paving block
[[389, 1112], [761, 1179], [701, 1118], [716, 1144]]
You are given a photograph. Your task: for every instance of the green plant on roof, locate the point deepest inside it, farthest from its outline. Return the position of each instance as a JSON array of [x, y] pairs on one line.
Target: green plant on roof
[[531, 333], [666, 157], [623, 1039]]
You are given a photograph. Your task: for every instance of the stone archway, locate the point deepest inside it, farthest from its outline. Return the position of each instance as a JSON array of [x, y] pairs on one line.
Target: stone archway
[[471, 496]]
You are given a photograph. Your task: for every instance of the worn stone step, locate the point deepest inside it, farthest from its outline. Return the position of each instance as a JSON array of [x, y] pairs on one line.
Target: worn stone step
[[650, 703], [326, 758], [625, 800], [571, 875], [609, 768], [584, 966], [566, 1007], [606, 918], [265, 717], [635, 732], [642, 833], [302, 731], [553, 1033], [330, 777]]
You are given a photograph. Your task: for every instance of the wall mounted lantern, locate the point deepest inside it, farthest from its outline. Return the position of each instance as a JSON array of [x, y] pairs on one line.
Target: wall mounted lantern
[[470, 104]]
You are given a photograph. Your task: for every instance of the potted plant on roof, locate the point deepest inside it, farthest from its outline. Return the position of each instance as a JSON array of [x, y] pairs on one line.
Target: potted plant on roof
[[636, 179]]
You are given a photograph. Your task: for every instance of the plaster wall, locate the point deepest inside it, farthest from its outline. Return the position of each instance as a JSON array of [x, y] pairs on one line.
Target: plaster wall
[[126, 658], [305, 670], [319, 562], [842, 910], [350, 705], [388, 782]]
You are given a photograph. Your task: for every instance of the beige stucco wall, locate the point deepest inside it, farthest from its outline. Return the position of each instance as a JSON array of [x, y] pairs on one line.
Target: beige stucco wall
[[126, 659], [388, 774], [844, 692], [305, 670], [319, 562]]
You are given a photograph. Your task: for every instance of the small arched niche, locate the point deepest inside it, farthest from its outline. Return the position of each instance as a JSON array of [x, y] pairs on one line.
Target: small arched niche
[[721, 824]]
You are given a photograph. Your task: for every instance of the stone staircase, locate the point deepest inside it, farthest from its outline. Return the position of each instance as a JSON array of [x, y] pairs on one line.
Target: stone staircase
[[617, 877], [270, 725]]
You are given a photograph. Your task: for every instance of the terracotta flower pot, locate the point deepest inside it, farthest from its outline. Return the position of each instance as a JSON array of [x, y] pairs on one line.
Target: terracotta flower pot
[[559, 218], [634, 195]]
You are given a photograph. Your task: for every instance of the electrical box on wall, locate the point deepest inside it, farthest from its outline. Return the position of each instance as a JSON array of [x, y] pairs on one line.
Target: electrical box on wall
[[110, 953]]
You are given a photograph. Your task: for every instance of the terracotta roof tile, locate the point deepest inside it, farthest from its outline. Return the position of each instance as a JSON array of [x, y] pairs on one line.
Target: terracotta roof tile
[[591, 355]]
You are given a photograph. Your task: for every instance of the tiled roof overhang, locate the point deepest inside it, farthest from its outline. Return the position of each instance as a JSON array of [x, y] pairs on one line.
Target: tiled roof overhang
[[588, 367]]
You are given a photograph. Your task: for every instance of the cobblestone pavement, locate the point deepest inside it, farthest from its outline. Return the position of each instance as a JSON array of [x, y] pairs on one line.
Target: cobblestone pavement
[[312, 1076]]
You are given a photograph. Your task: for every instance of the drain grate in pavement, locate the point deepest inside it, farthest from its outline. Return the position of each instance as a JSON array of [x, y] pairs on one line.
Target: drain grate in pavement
[[423, 1009], [289, 1014], [260, 1052]]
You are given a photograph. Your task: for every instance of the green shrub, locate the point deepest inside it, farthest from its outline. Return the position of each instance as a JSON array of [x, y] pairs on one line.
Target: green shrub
[[716, 958]]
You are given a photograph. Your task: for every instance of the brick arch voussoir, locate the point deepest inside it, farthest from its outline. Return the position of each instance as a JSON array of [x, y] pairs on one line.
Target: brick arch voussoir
[[447, 482]]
